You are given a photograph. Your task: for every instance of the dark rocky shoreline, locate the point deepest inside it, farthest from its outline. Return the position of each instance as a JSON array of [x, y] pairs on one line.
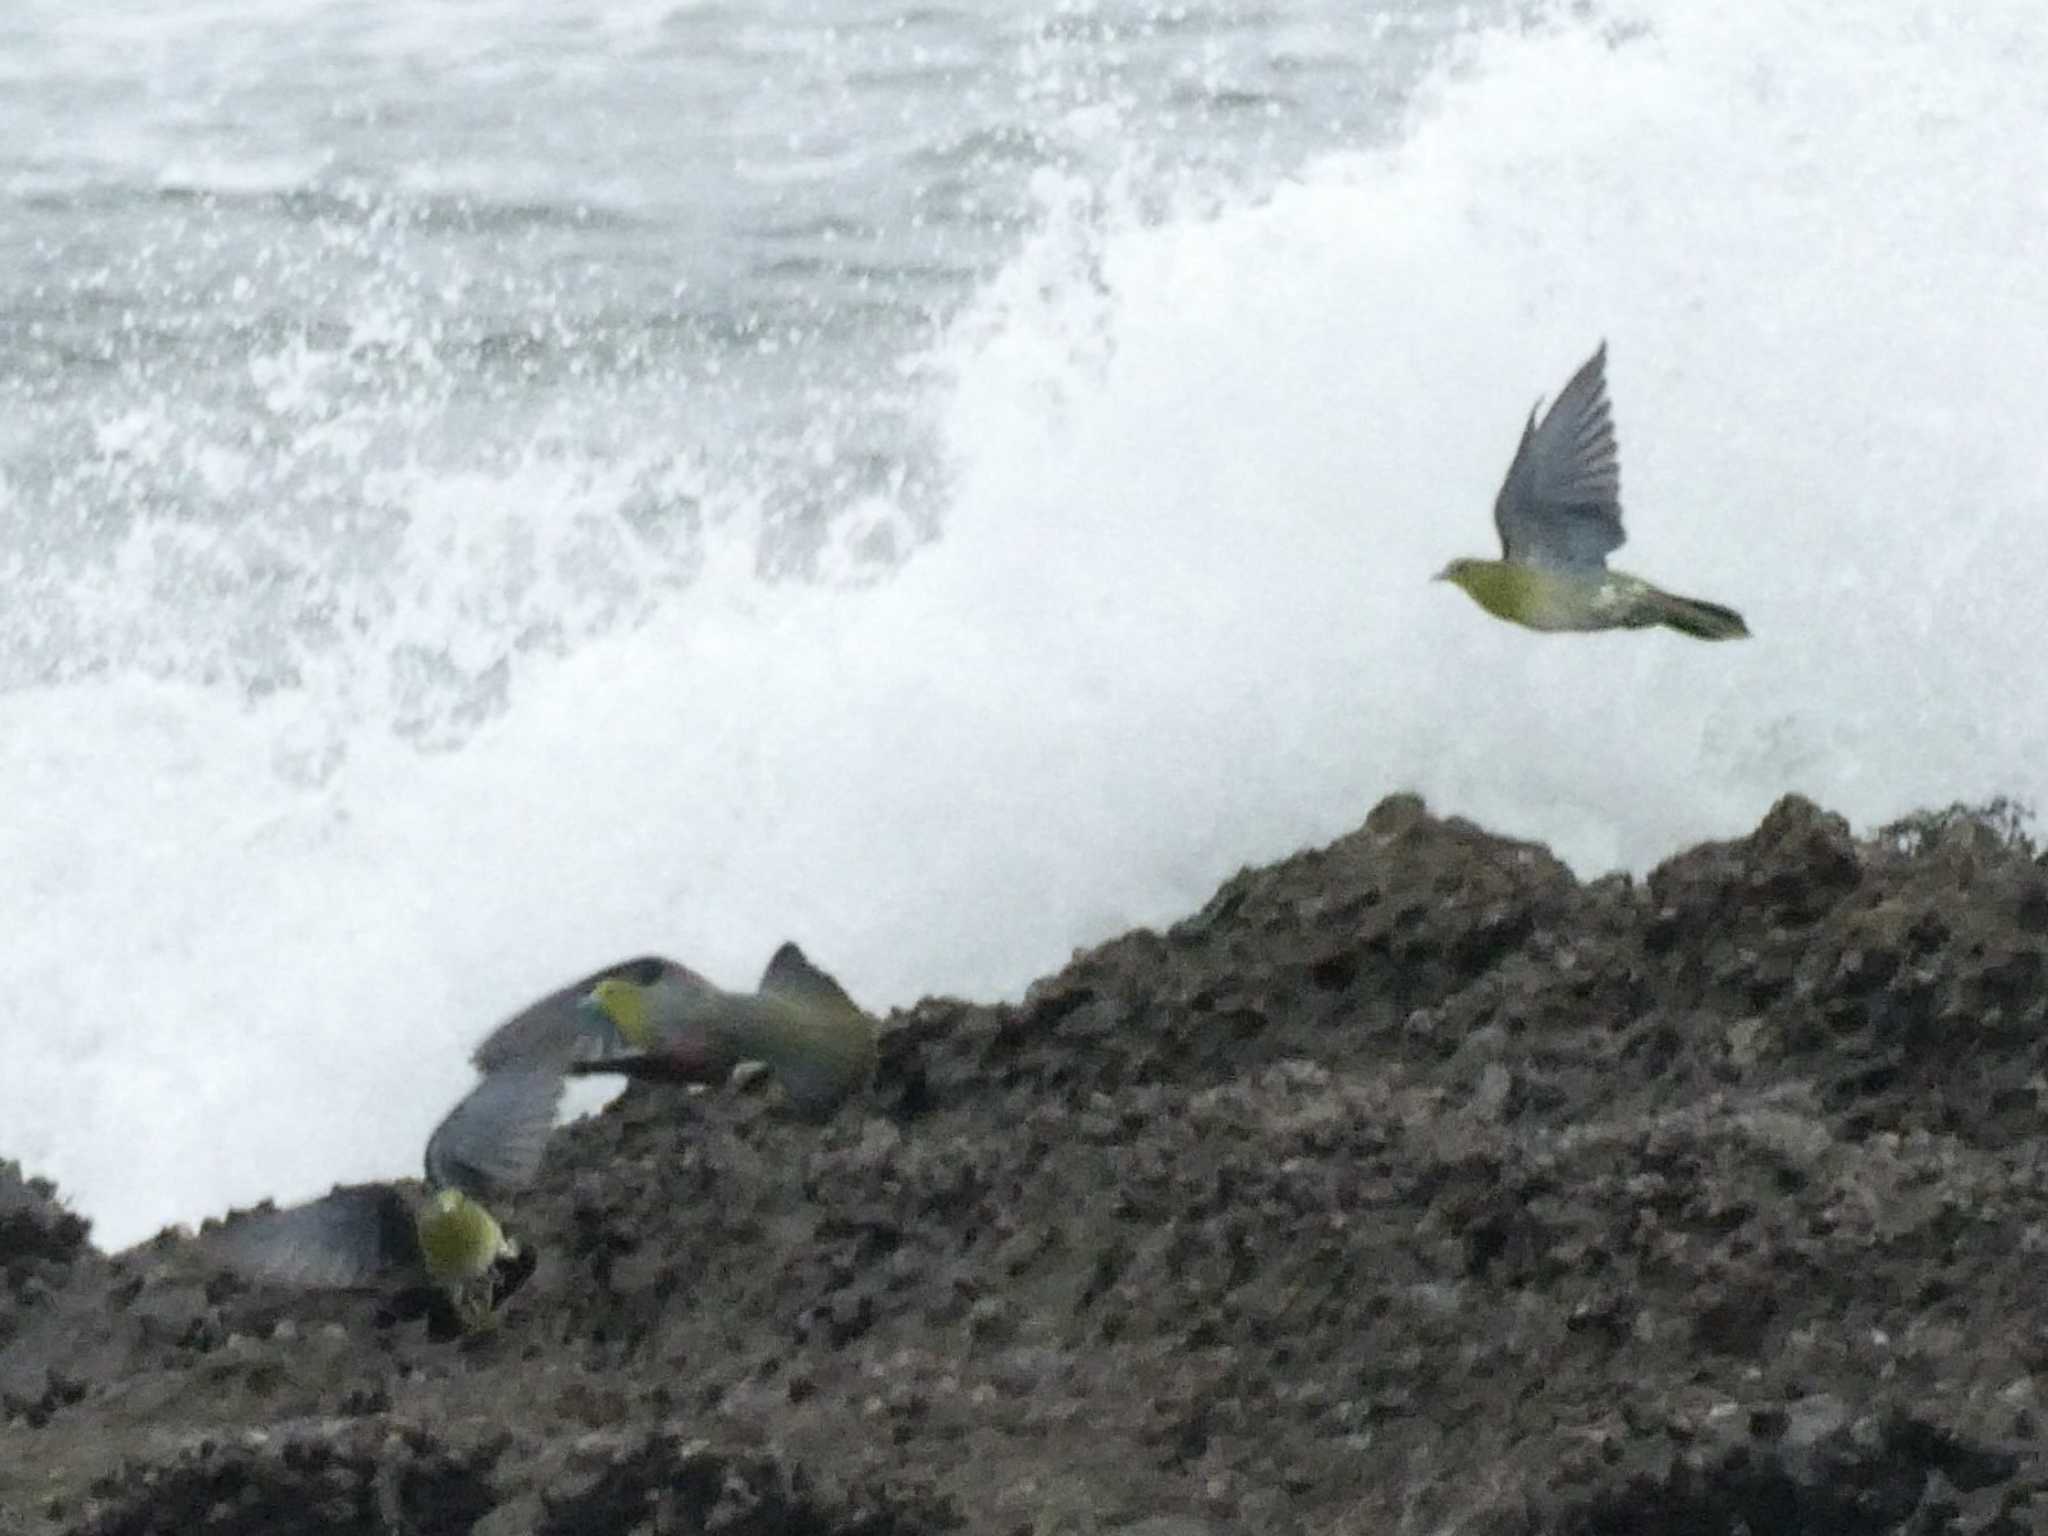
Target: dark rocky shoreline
[[1410, 1186]]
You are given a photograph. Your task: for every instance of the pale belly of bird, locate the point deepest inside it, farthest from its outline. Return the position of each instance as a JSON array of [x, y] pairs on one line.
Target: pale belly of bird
[[1559, 601]]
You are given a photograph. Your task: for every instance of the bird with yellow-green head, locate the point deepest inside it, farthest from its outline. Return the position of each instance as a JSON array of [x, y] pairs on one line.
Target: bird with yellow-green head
[[1559, 518], [443, 1248], [656, 1020]]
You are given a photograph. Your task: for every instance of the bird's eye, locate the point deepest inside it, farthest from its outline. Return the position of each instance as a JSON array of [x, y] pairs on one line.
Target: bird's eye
[[642, 973]]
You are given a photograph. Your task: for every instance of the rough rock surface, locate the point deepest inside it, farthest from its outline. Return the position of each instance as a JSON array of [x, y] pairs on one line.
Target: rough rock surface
[[1410, 1186]]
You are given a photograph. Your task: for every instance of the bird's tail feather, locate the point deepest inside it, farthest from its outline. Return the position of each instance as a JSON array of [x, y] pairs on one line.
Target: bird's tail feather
[[1701, 620]]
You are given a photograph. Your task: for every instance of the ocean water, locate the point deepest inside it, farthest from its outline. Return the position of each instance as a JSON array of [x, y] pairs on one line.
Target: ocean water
[[489, 489]]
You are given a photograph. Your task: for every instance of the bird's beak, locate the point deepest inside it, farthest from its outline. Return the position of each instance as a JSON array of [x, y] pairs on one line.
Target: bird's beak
[[1442, 575]]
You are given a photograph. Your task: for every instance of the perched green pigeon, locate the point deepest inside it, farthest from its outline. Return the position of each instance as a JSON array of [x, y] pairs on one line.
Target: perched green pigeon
[[442, 1247], [675, 1026]]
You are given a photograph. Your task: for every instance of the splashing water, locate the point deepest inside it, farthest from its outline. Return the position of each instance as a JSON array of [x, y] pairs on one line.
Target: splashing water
[[395, 667]]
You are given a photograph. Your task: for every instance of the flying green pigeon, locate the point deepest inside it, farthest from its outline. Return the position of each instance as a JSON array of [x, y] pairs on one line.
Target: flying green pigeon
[[443, 1248], [1559, 516]]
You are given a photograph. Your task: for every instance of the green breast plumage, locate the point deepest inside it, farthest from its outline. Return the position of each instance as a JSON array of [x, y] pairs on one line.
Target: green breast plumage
[[1540, 598], [459, 1239]]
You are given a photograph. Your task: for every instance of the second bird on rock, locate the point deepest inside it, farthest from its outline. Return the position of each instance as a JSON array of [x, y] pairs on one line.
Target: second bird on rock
[[444, 1248]]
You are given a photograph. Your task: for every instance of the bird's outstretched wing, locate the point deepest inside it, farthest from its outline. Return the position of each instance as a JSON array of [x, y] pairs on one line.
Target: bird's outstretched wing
[[1560, 505], [493, 1138], [792, 977], [558, 1030], [359, 1235]]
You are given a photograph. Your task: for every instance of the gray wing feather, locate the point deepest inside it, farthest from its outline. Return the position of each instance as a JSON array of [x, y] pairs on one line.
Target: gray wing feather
[[359, 1235], [1561, 502], [558, 1029], [551, 1030], [492, 1140]]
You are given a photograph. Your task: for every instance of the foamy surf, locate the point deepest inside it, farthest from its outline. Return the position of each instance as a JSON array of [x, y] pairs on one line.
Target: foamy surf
[[1176, 617]]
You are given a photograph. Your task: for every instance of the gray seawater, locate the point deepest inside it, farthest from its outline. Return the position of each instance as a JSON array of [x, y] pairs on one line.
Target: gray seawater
[[283, 283]]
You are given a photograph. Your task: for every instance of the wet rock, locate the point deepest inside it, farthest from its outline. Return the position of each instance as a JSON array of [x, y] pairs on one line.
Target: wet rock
[[1410, 1182], [39, 1241], [341, 1481]]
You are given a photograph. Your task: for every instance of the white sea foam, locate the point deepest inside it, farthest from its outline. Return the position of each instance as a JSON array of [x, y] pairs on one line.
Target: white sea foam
[[1177, 617]]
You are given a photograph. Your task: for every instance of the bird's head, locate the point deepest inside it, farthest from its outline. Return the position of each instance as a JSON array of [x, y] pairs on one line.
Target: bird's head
[[645, 1001], [1499, 586], [1460, 572], [626, 1004]]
